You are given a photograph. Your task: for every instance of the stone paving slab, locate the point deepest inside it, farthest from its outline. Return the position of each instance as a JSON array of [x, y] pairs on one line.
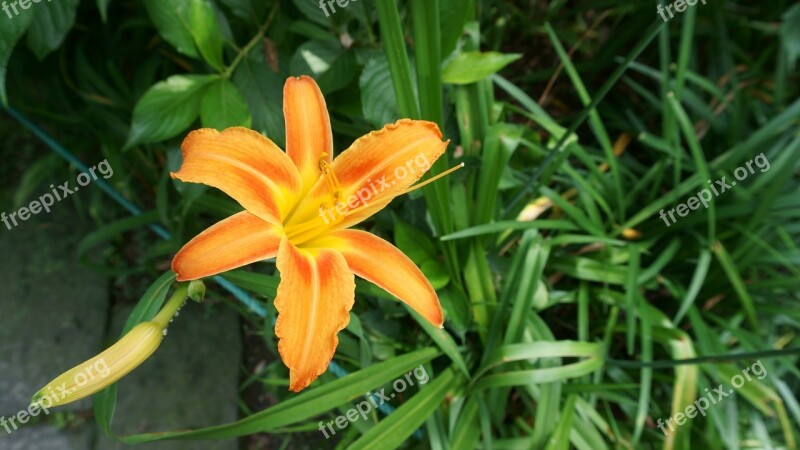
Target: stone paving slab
[[190, 382], [53, 315], [47, 437], [52, 311]]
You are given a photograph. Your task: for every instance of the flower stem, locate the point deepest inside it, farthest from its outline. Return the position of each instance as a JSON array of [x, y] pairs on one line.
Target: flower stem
[[253, 42], [173, 305]]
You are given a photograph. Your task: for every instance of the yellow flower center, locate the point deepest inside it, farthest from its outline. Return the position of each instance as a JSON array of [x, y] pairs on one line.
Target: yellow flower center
[[305, 231]]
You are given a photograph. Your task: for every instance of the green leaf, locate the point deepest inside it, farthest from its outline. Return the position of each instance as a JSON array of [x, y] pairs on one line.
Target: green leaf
[[395, 429], [107, 233], [501, 142], [327, 62], [542, 349], [223, 106], [206, 33], [454, 15], [312, 10], [253, 11], [36, 175], [51, 23], [378, 100], [790, 34], [263, 92], [436, 273], [167, 108], [413, 242], [172, 18], [102, 6], [266, 285], [560, 438], [443, 339], [456, 310], [310, 403], [149, 304], [471, 67], [10, 33]]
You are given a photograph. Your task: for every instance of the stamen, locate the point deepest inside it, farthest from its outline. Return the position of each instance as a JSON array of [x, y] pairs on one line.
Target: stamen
[[330, 177], [305, 231], [432, 179]]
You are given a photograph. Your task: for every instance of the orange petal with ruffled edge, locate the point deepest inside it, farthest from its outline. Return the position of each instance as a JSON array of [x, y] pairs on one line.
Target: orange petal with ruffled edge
[[245, 165], [373, 171], [235, 242], [383, 264], [308, 127], [314, 299]]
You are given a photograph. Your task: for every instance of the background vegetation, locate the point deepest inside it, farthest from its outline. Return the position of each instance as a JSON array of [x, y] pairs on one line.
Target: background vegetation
[[568, 300]]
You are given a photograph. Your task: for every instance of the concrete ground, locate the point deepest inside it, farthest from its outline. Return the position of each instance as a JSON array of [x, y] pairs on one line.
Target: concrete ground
[[55, 314]]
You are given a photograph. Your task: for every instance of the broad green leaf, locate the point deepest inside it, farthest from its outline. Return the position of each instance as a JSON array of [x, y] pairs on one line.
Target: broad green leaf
[[413, 242], [263, 92], [253, 11], [223, 106], [51, 23], [168, 108], [328, 62], [10, 33], [172, 18], [315, 13], [436, 273], [378, 99], [206, 33], [471, 67]]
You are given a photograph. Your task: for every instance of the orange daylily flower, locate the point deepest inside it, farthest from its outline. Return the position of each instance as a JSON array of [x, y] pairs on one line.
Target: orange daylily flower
[[298, 208]]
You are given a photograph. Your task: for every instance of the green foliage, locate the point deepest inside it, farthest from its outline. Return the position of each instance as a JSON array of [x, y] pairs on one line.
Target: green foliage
[[169, 107], [575, 316], [471, 67]]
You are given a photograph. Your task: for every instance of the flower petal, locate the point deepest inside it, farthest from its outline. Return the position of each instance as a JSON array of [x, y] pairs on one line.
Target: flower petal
[[245, 165], [379, 262], [308, 127], [236, 241], [314, 299], [372, 172]]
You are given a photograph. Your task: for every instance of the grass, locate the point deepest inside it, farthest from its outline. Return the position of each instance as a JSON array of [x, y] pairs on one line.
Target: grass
[[575, 317]]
